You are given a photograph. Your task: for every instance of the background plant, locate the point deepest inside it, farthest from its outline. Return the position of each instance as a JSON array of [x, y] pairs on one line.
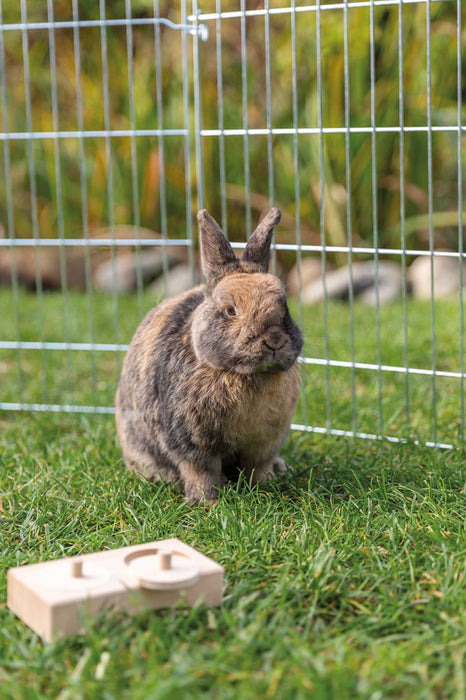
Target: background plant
[[109, 193]]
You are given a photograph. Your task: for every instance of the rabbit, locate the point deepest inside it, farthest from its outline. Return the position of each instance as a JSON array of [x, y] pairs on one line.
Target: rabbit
[[210, 380]]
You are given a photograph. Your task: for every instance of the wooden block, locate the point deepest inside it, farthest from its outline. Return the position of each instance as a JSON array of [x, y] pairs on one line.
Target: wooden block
[[55, 598]]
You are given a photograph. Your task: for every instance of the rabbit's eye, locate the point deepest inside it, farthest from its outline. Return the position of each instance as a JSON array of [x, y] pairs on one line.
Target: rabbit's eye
[[230, 311]]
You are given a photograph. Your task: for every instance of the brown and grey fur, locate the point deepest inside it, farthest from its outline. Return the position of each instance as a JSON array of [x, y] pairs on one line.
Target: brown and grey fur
[[210, 381]]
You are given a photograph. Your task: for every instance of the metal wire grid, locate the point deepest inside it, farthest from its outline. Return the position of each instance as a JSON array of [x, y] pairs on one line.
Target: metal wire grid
[[195, 138], [24, 28]]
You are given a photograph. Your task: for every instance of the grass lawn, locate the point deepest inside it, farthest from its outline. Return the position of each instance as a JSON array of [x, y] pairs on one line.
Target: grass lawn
[[347, 578]]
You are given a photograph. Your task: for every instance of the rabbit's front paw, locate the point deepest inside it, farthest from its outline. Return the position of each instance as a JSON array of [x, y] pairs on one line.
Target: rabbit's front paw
[[200, 485], [271, 470]]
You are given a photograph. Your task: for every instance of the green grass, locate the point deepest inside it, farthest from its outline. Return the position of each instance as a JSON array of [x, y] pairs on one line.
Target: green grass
[[344, 579]]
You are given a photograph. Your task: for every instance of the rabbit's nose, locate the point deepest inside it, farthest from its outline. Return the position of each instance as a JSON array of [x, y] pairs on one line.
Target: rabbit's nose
[[274, 338]]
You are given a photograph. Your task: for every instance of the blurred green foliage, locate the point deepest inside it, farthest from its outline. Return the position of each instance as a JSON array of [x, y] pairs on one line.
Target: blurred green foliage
[[144, 179]]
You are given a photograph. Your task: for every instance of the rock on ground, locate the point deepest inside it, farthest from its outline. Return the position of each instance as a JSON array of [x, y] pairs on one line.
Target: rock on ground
[[370, 283], [446, 272]]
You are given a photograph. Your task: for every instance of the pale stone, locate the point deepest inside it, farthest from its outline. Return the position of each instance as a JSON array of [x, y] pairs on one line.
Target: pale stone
[[370, 283], [446, 276]]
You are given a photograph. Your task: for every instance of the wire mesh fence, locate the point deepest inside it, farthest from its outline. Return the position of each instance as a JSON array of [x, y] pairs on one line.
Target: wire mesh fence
[[119, 120]]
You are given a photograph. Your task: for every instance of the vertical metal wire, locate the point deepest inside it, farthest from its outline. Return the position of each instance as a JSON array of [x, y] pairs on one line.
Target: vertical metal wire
[[297, 187], [244, 94], [161, 142], [197, 113], [460, 212], [10, 209], [268, 103], [109, 163], [375, 223], [404, 289], [33, 193], [348, 212], [187, 143], [59, 193], [83, 190], [323, 237], [430, 194], [134, 157], [268, 107], [221, 124]]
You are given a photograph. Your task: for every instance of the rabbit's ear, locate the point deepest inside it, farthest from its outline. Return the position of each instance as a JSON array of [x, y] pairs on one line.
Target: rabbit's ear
[[258, 246], [216, 252]]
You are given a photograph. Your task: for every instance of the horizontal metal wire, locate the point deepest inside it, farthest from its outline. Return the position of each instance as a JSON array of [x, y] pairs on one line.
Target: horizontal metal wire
[[45, 345], [54, 408], [107, 22], [237, 14], [310, 130], [382, 367], [320, 430], [88, 134], [91, 242], [368, 436], [160, 242], [122, 347], [365, 250], [194, 27], [288, 131]]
